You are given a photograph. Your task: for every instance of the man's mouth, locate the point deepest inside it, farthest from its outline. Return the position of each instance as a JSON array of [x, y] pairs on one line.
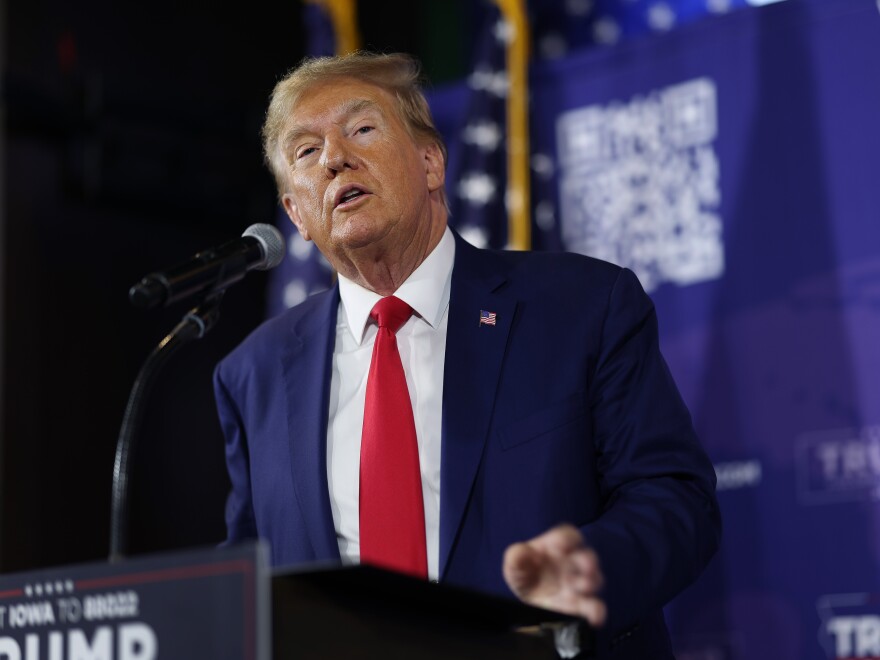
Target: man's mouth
[[349, 194]]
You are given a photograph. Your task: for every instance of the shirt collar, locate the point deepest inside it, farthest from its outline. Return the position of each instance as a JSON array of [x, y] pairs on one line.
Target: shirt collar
[[426, 290]]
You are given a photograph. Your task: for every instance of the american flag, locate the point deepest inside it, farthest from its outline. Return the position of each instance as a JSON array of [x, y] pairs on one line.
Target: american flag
[[304, 270], [476, 175], [487, 318]]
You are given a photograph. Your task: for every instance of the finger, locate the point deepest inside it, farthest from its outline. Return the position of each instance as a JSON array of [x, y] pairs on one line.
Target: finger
[[594, 611], [558, 541], [583, 571], [521, 568]]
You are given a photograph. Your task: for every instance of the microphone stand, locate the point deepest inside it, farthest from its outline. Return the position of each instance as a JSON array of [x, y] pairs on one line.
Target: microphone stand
[[194, 325]]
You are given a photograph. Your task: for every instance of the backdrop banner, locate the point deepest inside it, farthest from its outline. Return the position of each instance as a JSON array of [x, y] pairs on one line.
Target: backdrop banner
[[733, 165]]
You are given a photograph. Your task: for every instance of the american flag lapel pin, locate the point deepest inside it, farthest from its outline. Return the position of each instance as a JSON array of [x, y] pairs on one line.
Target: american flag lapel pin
[[487, 318]]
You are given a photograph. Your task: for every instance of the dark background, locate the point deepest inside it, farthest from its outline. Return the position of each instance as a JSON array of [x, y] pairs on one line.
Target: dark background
[[130, 141]]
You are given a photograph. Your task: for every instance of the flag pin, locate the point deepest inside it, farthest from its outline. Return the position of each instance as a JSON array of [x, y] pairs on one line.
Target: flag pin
[[487, 318]]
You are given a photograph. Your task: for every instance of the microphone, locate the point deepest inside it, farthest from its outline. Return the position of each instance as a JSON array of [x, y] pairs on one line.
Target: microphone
[[261, 247]]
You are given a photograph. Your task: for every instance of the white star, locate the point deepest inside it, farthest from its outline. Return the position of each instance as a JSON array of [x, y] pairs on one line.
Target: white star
[[477, 188], [494, 82], [578, 7], [474, 235], [28, 591], [542, 165], [606, 31], [298, 247], [553, 46], [322, 260], [718, 6], [485, 135], [545, 217], [294, 293], [661, 16], [504, 31]]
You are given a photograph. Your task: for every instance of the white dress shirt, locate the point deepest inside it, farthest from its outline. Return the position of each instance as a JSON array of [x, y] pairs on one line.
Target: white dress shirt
[[422, 345]]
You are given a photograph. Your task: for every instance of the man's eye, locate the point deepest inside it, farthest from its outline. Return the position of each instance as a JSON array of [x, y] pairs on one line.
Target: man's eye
[[305, 152], [363, 130]]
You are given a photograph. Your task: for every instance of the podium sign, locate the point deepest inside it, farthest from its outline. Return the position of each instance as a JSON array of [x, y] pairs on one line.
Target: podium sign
[[212, 603]]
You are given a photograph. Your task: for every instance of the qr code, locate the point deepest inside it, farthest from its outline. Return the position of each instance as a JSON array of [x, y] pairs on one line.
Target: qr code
[[640, 184]]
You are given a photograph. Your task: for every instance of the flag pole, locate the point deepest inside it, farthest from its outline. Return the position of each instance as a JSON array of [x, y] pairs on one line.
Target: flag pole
[[518, 172]]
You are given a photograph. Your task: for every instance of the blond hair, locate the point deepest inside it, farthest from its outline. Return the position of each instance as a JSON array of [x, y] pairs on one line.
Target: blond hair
[[396, 73]]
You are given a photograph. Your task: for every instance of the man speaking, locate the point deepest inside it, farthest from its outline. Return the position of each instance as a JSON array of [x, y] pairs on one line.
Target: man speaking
[[498, 420]]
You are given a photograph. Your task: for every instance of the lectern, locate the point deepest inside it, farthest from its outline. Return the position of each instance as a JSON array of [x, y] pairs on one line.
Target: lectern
[[226, 604]]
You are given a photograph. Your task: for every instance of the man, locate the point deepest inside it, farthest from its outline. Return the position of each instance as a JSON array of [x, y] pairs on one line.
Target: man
[[534, 393]]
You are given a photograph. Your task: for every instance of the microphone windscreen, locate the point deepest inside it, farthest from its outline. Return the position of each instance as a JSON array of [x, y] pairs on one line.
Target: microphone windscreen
[[271, 241]]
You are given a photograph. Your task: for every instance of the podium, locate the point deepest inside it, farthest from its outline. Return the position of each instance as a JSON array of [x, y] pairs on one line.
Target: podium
[[226, 604]]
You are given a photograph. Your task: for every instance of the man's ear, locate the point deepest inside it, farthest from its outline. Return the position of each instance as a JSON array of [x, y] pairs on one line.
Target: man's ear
[[435, 167], [292, 211]]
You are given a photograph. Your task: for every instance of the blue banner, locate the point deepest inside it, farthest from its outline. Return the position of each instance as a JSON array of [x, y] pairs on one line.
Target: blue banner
[[733, 165]]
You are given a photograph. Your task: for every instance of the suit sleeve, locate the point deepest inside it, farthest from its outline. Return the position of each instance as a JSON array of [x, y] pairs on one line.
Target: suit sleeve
[[240, 522], [660, 523]]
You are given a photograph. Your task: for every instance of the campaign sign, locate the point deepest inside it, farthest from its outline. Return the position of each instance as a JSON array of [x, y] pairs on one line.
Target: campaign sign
[[194, 604], [850, 627]]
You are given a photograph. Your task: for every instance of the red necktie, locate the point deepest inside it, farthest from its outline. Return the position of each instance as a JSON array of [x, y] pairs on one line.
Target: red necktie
[[392, 512]]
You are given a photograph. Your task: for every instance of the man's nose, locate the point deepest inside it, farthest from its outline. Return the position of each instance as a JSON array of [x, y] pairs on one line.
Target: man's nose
[[337, 155]]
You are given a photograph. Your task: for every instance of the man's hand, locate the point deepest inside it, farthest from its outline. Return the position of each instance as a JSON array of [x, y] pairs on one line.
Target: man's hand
[[557, 571]]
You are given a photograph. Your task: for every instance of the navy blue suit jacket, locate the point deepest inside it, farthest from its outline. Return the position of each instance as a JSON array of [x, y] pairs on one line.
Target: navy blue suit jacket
[[564, 411]]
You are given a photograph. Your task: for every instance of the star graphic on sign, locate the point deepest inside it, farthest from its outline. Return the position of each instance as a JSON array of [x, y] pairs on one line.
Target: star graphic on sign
[[477, 188], [485, 135]]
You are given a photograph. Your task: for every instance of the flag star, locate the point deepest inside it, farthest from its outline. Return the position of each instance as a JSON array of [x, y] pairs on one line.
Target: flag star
[[718, 6], [504, 31], [474, 235], [606, 30], [494, 82], [542, 165], [322, 260], [545, 217], [294, 293], [552, 45], [485, 135], [578, 7], [477, 188], [661, 16], [298, 247]]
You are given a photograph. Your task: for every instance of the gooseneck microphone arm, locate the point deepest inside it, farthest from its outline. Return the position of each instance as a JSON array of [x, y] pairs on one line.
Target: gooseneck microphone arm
[[195, 324], [208, 274]]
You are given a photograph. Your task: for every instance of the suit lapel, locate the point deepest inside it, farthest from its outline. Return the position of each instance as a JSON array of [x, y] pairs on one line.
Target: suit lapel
[[307, 367], [474, 356]]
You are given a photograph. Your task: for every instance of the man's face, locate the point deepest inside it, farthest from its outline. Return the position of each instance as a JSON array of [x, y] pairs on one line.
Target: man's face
[[357, 182]]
